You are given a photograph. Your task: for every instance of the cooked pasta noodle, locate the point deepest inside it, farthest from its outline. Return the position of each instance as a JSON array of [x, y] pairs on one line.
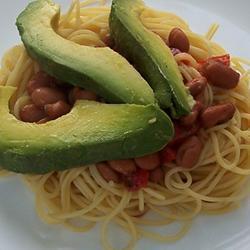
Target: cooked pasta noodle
[[216, 184]]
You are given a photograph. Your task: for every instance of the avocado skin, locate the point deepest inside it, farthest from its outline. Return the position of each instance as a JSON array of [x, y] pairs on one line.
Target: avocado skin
[[92, 132], [150, 55], [97, 69]]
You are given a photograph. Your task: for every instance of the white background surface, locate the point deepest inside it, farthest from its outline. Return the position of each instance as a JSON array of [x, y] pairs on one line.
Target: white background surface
[[20, 229]]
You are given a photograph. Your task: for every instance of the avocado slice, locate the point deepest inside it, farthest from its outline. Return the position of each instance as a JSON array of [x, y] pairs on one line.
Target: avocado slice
[[150, 55], [92, 132], [101, 70]]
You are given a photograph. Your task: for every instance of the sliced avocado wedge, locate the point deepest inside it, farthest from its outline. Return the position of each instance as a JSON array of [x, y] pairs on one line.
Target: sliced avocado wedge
[[150, 55], [92, 132], [98, 69]]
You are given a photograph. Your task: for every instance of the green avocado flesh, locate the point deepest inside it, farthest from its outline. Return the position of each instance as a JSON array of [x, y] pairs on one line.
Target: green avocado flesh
[[98, 69], [92, 132], [150, 55]]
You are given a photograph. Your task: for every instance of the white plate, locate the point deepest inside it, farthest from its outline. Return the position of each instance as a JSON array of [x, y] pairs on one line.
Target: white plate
[[19, 226]]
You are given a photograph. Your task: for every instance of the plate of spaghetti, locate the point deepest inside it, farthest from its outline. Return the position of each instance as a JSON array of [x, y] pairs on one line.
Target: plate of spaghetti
[[125, 124]]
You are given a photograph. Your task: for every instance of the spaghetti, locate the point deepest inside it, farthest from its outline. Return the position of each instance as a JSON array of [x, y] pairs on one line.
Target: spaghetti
[[216, 184]]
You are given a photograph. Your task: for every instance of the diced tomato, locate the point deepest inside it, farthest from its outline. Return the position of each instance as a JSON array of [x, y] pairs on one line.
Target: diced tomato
[[225, 59], [137, 180], [168, 155]]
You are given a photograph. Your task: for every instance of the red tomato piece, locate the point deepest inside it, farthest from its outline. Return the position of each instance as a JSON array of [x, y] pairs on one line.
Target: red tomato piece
[[137, 180], [225, 59]]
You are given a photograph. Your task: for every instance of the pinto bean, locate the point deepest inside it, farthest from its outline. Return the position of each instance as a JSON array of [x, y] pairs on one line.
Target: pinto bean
[[81, 94], [190, 119], [31, 113], [182, 133], [148, 162], [179, 40], [107, 172], [218, 114], [220, 75], [109, 41], [197, 86], [156, 175], [189, 152], [44, 120], [45, 95], [200, 98], [125, 167], [40, 79], [57, 109]]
